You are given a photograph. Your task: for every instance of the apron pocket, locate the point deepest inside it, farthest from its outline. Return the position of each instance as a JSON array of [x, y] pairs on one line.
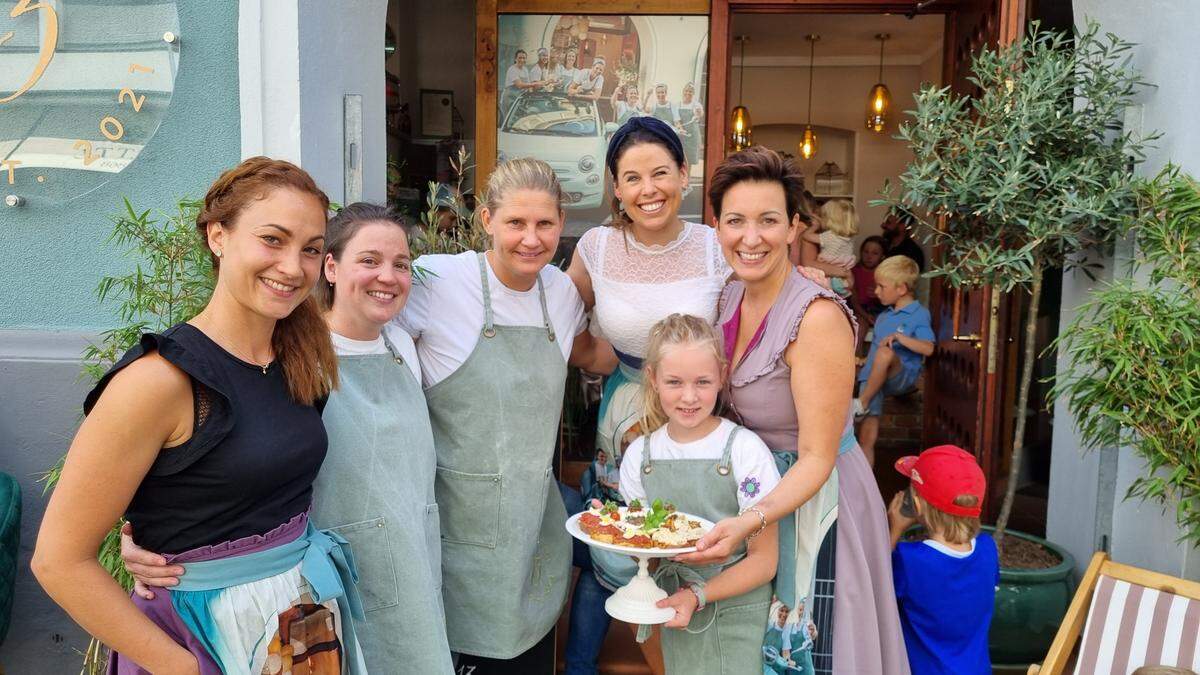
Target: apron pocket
[[377, 584], [740, 636], [469, 504], [433, 543]]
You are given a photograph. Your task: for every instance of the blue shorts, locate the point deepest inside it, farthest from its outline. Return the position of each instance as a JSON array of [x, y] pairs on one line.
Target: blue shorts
[[897, 385]]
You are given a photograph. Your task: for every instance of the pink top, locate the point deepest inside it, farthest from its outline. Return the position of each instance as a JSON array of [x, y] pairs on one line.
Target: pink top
[[760, 384], [864, 285]]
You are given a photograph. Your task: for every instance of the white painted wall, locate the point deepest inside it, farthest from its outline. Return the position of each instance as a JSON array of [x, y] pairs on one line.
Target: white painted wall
[[296, 62], [1087, 489]]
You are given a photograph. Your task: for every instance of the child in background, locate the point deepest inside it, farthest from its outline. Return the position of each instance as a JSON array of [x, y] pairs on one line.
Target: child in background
[[903, 338], [837, 224], [946, 584], [712, 468], [865, 303]]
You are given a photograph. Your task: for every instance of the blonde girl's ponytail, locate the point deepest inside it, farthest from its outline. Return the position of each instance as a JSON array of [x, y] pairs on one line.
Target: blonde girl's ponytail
[[674, 331]]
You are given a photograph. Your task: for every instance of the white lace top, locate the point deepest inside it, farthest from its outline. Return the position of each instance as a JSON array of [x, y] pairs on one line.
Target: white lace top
[[637, 286]]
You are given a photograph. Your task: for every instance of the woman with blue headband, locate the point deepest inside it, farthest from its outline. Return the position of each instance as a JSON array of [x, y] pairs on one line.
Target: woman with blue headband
[[648, 264]]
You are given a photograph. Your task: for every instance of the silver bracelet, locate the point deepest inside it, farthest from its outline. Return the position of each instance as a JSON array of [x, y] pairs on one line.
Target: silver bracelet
[[762, 521], [698, 591]]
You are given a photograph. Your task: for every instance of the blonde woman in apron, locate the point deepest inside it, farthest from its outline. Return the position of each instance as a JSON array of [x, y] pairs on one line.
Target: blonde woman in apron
[[691, 115], [495, 332], [375, 488]]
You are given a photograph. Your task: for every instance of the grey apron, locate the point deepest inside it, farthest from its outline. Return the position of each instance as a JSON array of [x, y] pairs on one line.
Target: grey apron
[[725, 637], [506, 557], [376, 490], [691, 140]]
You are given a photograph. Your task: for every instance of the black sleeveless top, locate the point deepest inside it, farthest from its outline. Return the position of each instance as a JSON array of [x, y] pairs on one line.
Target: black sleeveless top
[[250, 463]]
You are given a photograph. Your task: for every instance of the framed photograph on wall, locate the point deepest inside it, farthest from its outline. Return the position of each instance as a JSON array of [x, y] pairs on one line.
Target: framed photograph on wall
[[566, 82], [437, 113]]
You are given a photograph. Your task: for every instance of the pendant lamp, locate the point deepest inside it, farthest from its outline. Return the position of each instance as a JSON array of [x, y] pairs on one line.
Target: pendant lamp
[[879, 103], [740, 133], [808, 143]]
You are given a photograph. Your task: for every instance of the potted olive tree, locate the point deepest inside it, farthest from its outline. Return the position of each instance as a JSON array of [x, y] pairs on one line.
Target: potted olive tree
[[1023, 177]]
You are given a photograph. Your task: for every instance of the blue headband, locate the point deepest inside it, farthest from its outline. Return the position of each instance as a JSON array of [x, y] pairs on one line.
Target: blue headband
[[651, 125]]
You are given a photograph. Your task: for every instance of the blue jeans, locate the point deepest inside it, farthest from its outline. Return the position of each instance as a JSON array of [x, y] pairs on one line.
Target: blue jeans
[[588, 623], [896, 385]]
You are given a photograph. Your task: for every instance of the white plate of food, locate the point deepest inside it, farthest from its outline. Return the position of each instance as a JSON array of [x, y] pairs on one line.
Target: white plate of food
[[659, 531]]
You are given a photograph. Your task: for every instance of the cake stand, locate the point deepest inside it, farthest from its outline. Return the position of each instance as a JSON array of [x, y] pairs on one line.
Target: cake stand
[[636, 601]]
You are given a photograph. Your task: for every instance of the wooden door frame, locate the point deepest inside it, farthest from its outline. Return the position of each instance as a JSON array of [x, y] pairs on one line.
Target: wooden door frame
[[487, 21]]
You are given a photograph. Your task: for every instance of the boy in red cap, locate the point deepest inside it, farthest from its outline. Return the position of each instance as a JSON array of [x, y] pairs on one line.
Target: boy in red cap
[[946, 584]]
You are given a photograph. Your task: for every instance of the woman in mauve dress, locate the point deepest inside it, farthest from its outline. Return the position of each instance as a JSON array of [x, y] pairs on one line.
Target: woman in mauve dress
[[790, 344]]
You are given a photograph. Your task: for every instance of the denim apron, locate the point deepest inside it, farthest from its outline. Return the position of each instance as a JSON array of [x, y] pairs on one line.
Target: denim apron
[[506, 557], [724, 638], [375, 489]]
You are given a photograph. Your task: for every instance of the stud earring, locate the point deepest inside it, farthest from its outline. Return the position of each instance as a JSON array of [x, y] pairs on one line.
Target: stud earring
[[217, 253]]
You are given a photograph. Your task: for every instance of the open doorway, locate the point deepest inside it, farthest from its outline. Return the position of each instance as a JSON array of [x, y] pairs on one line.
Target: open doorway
[[850, 55]]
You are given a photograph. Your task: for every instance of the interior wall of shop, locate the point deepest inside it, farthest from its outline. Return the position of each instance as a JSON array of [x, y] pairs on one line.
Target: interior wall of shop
[[52, 258], [435, 49], [1087, 508], [840, 101]]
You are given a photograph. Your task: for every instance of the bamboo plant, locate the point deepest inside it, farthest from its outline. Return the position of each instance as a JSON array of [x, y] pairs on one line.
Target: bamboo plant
[[1134, 349], [1023, 176]]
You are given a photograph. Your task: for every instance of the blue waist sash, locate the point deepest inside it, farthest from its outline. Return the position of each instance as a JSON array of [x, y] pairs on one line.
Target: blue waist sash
[[847, 443], [631, 362], [326, 563]]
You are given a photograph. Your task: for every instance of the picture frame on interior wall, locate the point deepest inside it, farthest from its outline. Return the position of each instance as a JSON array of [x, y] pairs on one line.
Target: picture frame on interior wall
[[437, 113]]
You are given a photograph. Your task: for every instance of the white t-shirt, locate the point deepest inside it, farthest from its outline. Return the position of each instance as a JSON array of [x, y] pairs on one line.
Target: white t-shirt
[[444, 313], [401, 340], [583, 78], [515, 73], [753, 466]]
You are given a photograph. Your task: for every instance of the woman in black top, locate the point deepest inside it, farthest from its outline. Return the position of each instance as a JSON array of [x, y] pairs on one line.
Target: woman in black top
[[207, 439]]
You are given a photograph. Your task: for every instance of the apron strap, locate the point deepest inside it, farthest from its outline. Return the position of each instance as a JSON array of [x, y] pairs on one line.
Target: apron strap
[[489, 323], [725, 466], [646, 454], [489, 327], [545, 312], [390, 347]]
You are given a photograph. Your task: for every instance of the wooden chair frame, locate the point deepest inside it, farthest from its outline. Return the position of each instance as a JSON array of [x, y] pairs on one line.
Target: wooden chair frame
[[1069, 632]]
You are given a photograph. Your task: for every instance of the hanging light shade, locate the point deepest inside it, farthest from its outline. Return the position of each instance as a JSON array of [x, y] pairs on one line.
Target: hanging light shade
[[879, 102], [808, 142], [740, 130]]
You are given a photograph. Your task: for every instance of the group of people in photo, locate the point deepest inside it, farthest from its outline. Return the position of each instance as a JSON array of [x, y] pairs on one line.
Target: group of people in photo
[[557, 71], [345, 462]]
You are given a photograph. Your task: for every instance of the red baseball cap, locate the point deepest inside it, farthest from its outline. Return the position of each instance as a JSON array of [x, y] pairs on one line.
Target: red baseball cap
[[942, 473]]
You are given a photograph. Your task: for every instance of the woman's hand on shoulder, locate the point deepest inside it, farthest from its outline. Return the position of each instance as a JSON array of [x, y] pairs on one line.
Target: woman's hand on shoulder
[[815, 275], [148, 569]]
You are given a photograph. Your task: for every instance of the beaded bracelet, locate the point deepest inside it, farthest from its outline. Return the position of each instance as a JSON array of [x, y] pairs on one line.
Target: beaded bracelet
[[762, 521]]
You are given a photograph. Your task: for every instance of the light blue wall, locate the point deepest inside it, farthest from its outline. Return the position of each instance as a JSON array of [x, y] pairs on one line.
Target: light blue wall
[[51, 257]]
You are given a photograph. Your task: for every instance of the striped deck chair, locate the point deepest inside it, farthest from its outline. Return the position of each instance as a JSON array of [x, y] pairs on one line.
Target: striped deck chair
[[1129, 617]]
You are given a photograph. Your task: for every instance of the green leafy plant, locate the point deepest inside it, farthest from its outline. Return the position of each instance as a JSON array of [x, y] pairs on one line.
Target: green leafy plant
[[171, 281], [1025, 176], [1135, 353], [447, 224]]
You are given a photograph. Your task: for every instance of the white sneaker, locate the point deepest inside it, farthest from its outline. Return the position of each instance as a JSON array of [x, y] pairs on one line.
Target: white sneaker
[[859, 411]]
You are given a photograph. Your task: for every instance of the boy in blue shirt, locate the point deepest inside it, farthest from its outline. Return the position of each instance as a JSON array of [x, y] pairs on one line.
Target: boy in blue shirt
[[903, 338], [946, 584]]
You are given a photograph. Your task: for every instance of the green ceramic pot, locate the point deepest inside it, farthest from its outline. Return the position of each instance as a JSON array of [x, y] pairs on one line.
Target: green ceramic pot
[[1030, 605]]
